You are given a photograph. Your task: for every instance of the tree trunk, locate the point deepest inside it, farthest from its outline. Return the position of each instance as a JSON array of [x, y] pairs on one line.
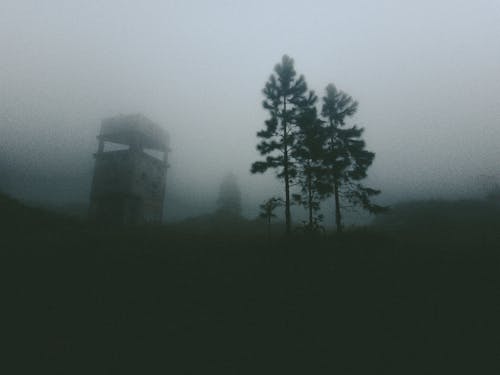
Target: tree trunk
[[287, 196], [338, 217], [286, 173], [310, 198], [269, 228]]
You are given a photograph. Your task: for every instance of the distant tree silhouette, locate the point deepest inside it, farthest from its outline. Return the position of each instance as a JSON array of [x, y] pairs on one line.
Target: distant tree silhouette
[[283, 94], [229, 200], [493, 193], [345, 161]]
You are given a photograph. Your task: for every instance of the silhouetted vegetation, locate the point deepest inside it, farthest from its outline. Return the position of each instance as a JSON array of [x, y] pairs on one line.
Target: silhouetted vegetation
[[284, 93], [308, 154], [229, 200], [325, 156], [441, 217], [414, 294], [267, 211], [345, 160]]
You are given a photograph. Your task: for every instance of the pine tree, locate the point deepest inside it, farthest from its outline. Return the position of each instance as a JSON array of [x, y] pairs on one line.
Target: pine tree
[[308, 154], [346, 161], [283, 94], [229, 200]]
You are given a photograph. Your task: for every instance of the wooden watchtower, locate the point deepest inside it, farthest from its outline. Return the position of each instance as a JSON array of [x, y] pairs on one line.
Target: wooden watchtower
[[128, 186]]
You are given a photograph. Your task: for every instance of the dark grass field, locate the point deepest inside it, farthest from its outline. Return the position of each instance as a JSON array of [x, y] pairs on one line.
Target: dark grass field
[[394, 299]]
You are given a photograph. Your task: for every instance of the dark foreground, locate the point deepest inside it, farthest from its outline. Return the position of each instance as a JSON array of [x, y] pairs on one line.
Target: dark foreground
[[82, 300]]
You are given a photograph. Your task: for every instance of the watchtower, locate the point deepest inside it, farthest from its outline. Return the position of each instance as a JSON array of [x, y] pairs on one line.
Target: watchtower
[[130, 170]]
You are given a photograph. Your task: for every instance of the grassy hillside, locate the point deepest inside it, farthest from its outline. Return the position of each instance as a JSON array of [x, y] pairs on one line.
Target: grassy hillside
[[410, 300]]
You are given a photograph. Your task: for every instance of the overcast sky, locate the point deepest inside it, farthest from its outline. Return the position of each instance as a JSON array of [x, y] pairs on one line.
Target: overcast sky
[[426, 75]]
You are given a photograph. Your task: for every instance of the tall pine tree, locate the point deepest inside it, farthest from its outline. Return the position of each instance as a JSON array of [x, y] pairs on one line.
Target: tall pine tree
[[345, 161], [308, 153], [284, 93]]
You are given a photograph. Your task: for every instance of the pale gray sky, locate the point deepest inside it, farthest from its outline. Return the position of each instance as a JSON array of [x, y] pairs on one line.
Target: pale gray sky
[[426, 74]]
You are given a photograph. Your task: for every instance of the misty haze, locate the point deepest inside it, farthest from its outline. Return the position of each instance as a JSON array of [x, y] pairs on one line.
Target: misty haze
[[251, 187]]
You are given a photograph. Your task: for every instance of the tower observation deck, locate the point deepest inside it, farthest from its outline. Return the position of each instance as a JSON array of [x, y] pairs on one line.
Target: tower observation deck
[[128, 186]]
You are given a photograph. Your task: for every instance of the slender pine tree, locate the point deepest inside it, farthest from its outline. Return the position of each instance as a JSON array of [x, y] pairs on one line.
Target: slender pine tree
[[308, 153], [346, 160], [283, 92]]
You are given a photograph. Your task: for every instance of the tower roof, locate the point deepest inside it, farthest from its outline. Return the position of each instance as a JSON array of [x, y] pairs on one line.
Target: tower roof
[[134, 129]]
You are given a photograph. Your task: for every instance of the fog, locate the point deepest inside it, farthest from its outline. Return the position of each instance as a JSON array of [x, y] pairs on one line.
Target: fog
[[426, 75]]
